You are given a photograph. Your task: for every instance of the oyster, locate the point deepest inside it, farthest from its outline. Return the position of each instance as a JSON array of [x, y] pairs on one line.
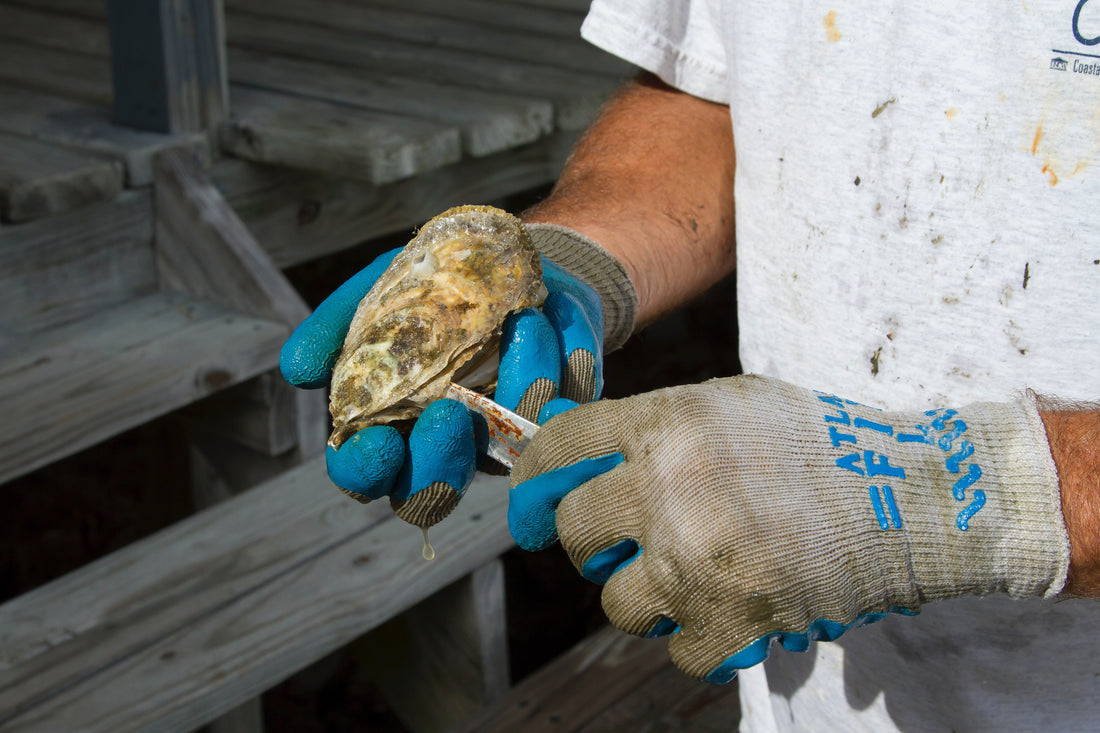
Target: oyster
[[439, 304]]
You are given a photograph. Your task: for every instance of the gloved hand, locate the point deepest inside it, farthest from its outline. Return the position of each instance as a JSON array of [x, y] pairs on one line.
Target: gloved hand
[[746, 511], [426, 478]]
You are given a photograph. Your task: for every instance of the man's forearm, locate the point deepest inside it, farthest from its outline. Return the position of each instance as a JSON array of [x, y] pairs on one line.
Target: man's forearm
[[652, 181], [1074, 438]]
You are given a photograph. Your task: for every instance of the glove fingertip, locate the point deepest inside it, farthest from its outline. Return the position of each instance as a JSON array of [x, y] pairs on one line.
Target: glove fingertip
[[533, 504], [600, 567], [368, 463], [750, 656], [529, 353], [304, 363], [442, 451], [553, 408]]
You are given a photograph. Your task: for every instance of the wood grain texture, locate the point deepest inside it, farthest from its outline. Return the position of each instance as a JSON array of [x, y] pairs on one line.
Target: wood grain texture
[[575, 688], [70, 387], [578, 6], [60, 269], [297, 216], [339, 140], [488, 122], [38, 179], [76, 76], [83, 127], [168, 64], [428, 30], [93, 9], [176, 629], [65, 32], [203, 247], [445, 658], [493, 13], [612, 682], [576, 95], [260, 414]]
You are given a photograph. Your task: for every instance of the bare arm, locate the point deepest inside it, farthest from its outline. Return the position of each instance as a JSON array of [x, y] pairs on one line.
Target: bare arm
[[652, 181], [1074, 438]]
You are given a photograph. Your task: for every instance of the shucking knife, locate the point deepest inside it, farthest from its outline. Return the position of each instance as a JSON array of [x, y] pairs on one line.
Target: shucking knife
[[508, 432]]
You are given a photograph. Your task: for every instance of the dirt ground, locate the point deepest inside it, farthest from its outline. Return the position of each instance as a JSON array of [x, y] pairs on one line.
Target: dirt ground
[[125, 488]]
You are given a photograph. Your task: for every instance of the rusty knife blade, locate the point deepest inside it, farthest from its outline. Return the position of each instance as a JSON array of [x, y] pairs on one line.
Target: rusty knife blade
[[508, 432]]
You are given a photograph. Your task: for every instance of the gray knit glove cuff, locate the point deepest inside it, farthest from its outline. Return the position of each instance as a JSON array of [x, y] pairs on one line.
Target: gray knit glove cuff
[[599, 269]]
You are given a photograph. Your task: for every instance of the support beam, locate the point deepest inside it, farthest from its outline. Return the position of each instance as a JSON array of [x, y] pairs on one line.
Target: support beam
[[168, 64], [445, 659]]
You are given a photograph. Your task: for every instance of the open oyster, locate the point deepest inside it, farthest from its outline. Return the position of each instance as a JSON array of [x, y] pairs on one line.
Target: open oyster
[[439, 305]]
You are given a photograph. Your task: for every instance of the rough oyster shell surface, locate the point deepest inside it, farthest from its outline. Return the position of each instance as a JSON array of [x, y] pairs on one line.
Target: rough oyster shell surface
[[441, 302]]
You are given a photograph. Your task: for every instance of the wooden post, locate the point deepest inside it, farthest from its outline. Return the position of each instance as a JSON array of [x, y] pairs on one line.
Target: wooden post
[[168, 64], [446, 658]]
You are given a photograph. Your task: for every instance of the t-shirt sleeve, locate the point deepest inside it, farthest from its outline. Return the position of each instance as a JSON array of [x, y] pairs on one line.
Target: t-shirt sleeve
[[681, 42]]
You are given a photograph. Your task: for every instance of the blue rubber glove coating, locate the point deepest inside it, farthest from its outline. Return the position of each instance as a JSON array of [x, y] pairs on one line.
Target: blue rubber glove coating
[[529, 351], [532, 505], [367, 464], [819, 630], [536, 344], [441, 450], [308, 356]]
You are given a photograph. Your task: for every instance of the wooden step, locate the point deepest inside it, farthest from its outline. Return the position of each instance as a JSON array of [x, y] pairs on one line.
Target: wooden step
[[576, 95], [72, 54], [38, 179], [612, 682], [57, 270], [465, 35], [315, 135], [494, 13], [488, 122], [88, 128], [178, 628], [68, 388]]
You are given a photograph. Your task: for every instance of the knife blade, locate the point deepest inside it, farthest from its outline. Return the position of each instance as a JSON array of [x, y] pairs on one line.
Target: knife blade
[[508, 432]]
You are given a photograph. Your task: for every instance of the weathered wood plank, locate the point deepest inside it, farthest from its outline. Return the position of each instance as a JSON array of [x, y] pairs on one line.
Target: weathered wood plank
[[56, 270], [488, 122], [298, 216], [492, 13], [576, 96], [80, 77], [203, 247], [410, 25], [258, 414], [677, 701], [38, 179], [575, 688], [311, 134], [39, 27], [94, 9], [180, 627], [68, 388], [84, 127], [446, 658], [168, 64], [578, 6]]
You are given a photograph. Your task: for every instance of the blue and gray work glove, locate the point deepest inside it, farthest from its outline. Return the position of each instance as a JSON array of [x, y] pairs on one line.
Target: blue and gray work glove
[[545, 354], [746, 511]]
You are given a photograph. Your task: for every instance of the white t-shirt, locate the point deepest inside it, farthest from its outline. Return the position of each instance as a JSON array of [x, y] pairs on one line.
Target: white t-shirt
[[918, 225]]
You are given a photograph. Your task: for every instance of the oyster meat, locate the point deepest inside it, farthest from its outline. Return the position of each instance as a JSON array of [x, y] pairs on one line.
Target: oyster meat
[[440, 304]]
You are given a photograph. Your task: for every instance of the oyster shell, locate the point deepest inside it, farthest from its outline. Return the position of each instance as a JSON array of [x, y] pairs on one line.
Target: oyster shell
[[441, 302]]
